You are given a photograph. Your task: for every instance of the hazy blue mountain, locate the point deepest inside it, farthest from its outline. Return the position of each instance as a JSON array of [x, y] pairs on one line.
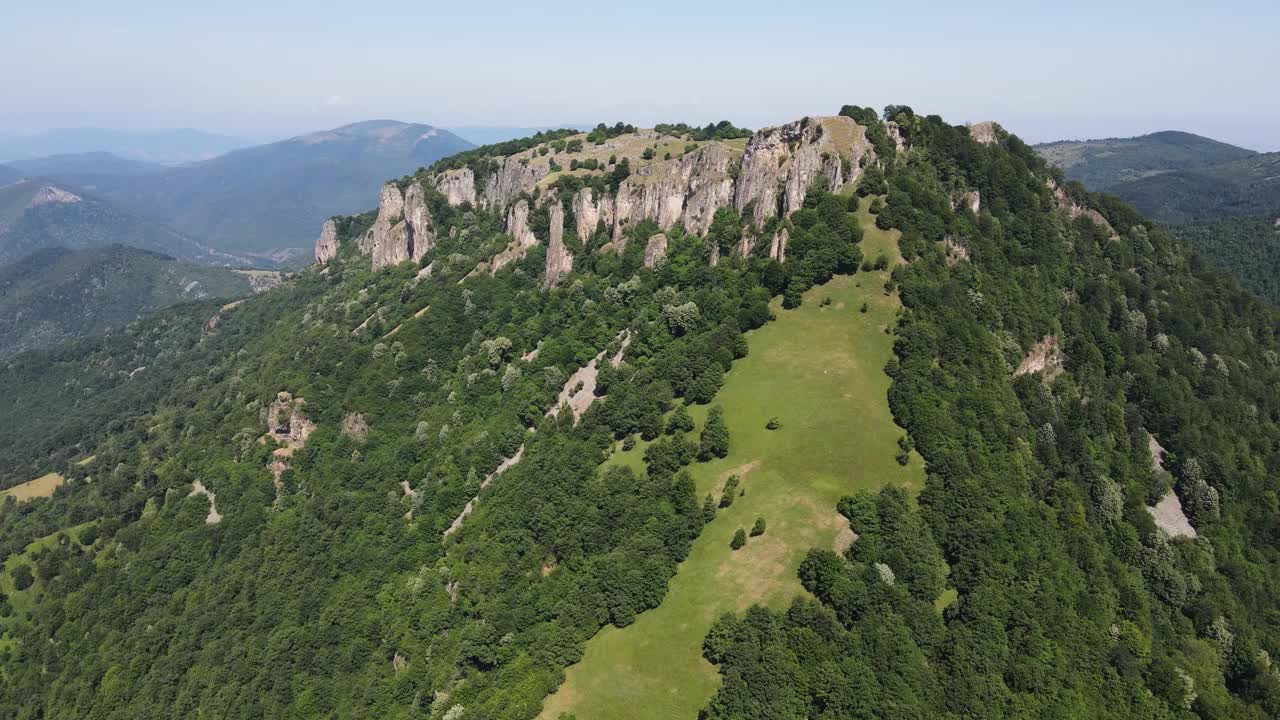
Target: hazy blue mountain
[[276, 196], [56, 294], [167, 147], [87, 165]]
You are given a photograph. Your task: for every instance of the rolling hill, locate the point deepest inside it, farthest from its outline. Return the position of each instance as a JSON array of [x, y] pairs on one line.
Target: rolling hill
[[55, 294], [273, 197], [37, 214], [1103, 164], [75, 167], [860, 416]]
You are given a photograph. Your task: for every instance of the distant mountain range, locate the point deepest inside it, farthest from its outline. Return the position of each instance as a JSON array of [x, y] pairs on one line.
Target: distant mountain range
[[267, 198], [166, 147], [1222, 199], [38, 214], [56, 294]]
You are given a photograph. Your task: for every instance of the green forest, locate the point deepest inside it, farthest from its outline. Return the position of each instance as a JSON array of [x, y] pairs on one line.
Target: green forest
[[346, 420]]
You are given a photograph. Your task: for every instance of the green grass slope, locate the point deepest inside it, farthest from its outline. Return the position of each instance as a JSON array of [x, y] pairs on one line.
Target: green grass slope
[[58, 294], [818, 369]]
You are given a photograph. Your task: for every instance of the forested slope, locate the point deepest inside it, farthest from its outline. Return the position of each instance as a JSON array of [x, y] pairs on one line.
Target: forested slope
[[275, 493]]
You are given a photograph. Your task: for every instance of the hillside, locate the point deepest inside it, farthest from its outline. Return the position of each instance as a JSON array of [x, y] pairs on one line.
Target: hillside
[[1222, 200], [1247, 187], [856, 416], [272, 197], [39, 214], [55, 294], [1103, 164]]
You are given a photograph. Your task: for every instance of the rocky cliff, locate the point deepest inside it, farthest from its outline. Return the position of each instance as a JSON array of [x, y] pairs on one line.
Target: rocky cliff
[[672, 181]]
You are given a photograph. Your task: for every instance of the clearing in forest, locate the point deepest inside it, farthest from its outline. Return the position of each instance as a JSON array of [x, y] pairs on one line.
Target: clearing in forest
[[820, 370], [41, 487]]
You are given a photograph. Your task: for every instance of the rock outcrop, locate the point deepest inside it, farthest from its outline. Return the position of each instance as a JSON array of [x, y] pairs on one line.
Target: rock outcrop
[[1075, 209], [327, 243], [403, 229], [457, 186], [894, 131], [686, 189], [559, 259], [522, 237], [587, 214], [793, 157], [50, 195], [775, 170], [655, 250], [1045, 357], [512, 178], [984, 132], [778, 246]]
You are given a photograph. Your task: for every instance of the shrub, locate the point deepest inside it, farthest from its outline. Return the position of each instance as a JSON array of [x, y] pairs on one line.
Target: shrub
[[739, 539], [758, 528], [773, 423], [629, 443], [714, 441], [22, 577], [647, 154], [730, 491]]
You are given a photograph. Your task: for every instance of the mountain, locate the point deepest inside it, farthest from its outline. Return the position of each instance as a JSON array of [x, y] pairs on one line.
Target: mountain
[[1222, 200], [165, 147], [38, 214], [273, 197], [56, 294], [1102, 164], [81, 165], [852, 417], [9, 175]]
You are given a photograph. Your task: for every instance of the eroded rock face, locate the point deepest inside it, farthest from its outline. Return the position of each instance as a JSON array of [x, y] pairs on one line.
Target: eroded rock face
[[522, 237], [686, 189], [655, 250], [511, 179], [403, 229], [457, 186], [419, 230], [49, 195], [794, 156], [778, 246], [1076, 210], [895, 134], [327, 243], [586, 213], [1045, 357], [984, 132], [559, 259]]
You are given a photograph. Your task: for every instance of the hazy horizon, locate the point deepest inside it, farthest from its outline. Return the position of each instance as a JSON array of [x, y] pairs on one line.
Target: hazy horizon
[[267, 73]]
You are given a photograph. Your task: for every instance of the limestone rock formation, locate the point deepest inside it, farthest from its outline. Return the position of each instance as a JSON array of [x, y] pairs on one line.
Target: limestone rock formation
[[327, 243], [778, 246], [688, 189], [894, 131], [655, 250], [984, 132], [457, 186], [794, 156], [1076, 210], [512, 178], [559, 259], [522, 237], [1045, 357], [403, 229], [586, 213]]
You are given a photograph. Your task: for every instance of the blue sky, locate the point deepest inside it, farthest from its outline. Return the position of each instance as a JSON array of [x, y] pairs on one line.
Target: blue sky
[[265, 69]]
